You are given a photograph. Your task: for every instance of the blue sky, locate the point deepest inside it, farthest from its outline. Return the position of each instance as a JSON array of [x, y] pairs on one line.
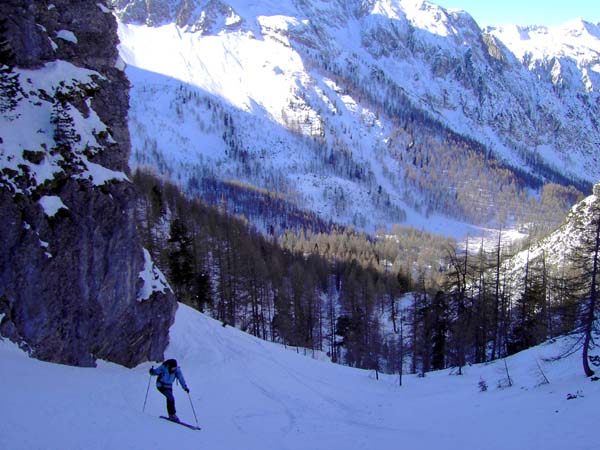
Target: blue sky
[[526, 12]]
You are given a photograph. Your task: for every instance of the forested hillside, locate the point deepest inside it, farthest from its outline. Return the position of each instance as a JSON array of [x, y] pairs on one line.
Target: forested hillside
[[405, 299], [313, 122]]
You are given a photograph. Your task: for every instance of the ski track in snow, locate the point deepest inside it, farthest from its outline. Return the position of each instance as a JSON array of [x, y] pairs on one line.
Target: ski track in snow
[[251, 394]]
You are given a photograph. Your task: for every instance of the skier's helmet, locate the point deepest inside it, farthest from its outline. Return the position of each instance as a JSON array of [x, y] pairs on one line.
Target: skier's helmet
[[171, 364]]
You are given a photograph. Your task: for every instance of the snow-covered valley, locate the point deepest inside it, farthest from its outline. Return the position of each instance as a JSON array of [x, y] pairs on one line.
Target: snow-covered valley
[[251, 394]]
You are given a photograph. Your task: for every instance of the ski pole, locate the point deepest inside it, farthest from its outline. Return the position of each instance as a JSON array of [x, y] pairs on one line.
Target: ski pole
[[193, 410], [147, 390]]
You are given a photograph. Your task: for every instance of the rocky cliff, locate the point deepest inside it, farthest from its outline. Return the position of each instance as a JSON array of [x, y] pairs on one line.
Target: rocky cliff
[[75, 283]]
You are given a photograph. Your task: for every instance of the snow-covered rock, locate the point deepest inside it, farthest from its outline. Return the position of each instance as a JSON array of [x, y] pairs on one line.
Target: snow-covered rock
[[70, 254]]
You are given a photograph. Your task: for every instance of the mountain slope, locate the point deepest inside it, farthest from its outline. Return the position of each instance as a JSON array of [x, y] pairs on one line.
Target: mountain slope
[[559, 248], [255, 395], [368, 113], [569, 52]]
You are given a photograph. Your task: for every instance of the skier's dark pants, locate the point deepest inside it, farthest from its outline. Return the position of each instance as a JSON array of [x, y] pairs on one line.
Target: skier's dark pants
[[168, 393]]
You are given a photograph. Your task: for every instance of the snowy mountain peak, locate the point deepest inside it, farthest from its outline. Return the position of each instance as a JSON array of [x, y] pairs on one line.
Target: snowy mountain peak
[[580, 27], [577, 41], [209, 18], [437, 20]]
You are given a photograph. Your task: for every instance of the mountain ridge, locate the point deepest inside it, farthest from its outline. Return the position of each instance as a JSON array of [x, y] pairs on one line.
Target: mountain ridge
[[383, 85]]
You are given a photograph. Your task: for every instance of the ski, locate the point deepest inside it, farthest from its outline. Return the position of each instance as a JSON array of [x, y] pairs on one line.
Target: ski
[[191, 427]]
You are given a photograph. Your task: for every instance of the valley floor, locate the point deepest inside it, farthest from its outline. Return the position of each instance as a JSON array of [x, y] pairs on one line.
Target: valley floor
[[250, 394]]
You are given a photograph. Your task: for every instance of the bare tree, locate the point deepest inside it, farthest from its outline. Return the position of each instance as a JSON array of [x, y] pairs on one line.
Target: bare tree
[[496, 298]]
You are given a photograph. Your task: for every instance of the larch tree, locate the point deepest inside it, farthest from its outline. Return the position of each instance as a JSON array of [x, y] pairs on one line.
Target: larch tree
[[589, 265]]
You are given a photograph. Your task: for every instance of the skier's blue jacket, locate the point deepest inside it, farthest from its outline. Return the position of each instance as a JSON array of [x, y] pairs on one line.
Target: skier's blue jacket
[[166, 377]]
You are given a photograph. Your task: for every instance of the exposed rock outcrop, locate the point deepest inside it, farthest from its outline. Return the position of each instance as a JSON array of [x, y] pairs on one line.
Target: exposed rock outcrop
[[72, 269], [203, 16]]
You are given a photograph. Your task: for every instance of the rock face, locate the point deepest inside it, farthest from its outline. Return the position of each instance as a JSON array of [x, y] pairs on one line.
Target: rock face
[[72, 269], [205, 17]]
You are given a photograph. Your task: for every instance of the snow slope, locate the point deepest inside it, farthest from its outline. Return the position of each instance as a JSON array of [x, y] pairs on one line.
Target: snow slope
[[315, 101], [250, 394]]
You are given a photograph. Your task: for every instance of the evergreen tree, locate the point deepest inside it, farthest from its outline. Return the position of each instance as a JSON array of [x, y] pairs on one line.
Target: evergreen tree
[[201, 293], [64, 126], [10, 88], [529, 326], [439, 325], [181, 274]]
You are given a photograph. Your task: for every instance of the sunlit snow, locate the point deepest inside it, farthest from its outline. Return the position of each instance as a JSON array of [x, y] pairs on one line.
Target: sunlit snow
[[254, 395]]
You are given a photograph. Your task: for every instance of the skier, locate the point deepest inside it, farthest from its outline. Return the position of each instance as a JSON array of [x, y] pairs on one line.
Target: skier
[[167, 372]]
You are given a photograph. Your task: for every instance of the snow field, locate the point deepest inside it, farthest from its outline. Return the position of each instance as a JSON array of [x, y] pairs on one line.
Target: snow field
[[251, 394]]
